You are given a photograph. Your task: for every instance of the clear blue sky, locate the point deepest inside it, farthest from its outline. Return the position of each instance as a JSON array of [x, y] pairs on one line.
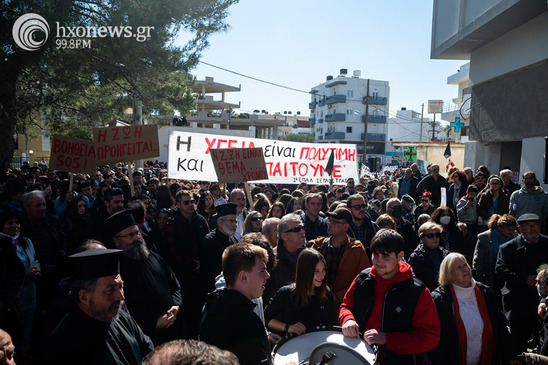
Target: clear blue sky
[[297, 43]]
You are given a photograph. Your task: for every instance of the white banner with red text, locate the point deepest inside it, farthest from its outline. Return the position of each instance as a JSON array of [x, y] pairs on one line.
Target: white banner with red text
[[286, 162]]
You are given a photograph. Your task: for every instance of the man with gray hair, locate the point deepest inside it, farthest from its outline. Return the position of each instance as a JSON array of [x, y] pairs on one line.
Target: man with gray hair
[[46, 234], [291, 241], [508, 184], [237, 196], [97, 330], [270, 230], [151, 289]]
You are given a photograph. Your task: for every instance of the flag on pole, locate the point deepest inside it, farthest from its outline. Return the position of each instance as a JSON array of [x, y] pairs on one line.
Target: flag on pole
[[330, 163], [447, 152]]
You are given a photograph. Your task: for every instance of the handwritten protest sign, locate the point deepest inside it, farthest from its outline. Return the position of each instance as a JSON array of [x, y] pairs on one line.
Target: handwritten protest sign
[[235, 165], [116, 144], [286, 162], [72, 155]]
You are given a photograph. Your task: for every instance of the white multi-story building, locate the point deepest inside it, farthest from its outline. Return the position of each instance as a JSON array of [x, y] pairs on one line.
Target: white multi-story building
[[506, 44], [337, 112], [406, 127]]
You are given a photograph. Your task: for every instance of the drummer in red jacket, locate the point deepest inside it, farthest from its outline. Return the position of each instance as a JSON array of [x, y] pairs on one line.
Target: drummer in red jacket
[[392, 308]]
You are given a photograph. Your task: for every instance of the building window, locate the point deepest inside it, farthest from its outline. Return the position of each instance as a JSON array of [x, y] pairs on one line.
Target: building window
[[348, 129], [350, 93], [375, 95], [348, 111]]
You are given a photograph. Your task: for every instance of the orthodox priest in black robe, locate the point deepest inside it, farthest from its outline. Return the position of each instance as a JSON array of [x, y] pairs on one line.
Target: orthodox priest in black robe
[[153, 294], [97, 330]]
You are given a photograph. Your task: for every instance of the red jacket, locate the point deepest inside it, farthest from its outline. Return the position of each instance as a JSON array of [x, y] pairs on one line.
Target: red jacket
[[426, 326]]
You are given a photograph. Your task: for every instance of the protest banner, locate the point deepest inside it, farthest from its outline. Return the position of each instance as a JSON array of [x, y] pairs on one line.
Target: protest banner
[[118, 144], [71, 154], [286, 162], [234, 165]]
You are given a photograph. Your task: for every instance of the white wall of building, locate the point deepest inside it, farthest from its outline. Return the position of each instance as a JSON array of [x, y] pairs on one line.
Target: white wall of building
[[353, 109], [406, 127], [518, 48]]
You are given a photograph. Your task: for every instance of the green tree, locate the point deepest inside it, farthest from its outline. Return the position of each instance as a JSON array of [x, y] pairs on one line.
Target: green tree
[[93, 86], [299, 138]]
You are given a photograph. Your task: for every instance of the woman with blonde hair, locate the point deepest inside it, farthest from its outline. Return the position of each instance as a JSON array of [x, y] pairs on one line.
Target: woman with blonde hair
[[473, 329], [501, 230], [253, 222]]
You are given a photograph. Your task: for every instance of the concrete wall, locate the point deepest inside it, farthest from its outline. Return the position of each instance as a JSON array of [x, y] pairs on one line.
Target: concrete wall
[[433, 153], [532, 158]]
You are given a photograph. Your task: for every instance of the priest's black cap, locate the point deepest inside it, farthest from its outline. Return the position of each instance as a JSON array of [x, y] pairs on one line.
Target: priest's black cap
[[96, 263], [226, 209], [118, 222]]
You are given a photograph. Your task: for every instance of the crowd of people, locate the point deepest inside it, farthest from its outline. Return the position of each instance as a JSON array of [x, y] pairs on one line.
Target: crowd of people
[[125, 265]]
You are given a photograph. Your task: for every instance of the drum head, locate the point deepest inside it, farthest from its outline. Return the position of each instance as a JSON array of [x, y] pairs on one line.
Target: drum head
[[338, 355], [299, 348]]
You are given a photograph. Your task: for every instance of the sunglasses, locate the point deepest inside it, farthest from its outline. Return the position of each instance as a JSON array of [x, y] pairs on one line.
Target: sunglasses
[[494, 183], [358, 206], [295, 229], [432, 235], [255, 219], [425, 200], [186, 202]]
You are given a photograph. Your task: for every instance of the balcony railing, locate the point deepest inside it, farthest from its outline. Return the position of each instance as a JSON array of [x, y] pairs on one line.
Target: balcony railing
[[335, 99], [379, 100], [337, 117], [312, 121], [312, 105], [375, 137], [375, 118], [334, 135]]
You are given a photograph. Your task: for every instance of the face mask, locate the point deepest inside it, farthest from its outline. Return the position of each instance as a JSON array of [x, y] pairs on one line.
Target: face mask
[[396, 211], [445, 220]]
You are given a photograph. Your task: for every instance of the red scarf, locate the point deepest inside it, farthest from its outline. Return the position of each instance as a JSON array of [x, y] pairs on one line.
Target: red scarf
[[487, 345]]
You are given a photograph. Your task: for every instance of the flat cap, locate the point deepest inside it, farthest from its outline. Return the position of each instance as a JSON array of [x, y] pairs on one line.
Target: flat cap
[[340, 213], [528, 217]]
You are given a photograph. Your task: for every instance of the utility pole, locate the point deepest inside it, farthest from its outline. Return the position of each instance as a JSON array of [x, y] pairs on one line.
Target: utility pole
[[366, 120], [434, 128], [422, 118]]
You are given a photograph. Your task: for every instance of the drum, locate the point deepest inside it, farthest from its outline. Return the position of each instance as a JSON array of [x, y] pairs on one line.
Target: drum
[[313, 345]]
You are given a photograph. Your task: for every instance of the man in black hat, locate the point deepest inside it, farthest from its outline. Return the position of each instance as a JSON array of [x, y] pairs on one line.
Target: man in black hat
[[515, 273], [213, 245], [345, 256], [153, 294], [97, 330]]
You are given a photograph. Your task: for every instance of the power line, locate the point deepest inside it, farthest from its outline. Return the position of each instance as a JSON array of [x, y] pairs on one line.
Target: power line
[[387, 113], [255, 78]]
